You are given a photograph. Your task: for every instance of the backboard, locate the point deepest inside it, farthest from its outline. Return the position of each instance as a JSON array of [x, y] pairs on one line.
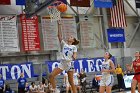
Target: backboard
[[33, 7]]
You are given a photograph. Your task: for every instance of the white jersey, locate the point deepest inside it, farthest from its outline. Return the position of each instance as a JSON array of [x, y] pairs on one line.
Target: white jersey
[[41, 88], [67, 51], [106, 65], [33, 89], [107, 79]]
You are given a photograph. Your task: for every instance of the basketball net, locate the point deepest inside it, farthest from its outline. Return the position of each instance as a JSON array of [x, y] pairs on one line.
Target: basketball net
[[54, 12]]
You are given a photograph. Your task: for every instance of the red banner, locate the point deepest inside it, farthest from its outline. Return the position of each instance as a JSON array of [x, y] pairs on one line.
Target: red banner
[[5, 2], [80, 3], [30, 33]]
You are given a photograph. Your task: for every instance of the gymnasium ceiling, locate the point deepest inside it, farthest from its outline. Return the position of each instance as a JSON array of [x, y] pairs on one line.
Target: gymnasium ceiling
[[14, 9]]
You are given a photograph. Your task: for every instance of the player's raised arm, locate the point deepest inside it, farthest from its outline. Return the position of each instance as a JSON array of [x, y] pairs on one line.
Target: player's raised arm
[[59, 31]]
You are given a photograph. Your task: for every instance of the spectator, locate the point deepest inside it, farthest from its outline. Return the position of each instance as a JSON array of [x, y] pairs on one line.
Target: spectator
[[120, 79], [7, 89], [83, 80], [21, 83], [95, 83], [2, 84], [27, 88], [128, 70], [76, 80], [41, 88], [33, 88], [47, 87], [66, 83]]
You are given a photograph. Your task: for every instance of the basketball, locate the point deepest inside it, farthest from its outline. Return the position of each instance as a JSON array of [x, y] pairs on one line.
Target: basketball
[[62, 7]]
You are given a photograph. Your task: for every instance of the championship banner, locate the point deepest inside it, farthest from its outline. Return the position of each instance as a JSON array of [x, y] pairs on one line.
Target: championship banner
[[116, 35], [30, 33], [69, 27], [89, 65], [5, 2], [13, 71], [9, 41], [80, 3], [87, 32], [137, 3], [49, 31], [103, 3]]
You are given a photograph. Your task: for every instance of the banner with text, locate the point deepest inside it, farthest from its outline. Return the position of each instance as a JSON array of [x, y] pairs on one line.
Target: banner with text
[[88, 64], [8, 34], [5, 2], [49, 31], [103, 3], [30, 33], [116, 35], [13, 71], [87, 32]]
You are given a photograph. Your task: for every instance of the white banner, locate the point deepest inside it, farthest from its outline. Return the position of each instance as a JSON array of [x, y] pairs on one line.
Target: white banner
[[49, 31], [87, 32], [8, 34], [69, 27]]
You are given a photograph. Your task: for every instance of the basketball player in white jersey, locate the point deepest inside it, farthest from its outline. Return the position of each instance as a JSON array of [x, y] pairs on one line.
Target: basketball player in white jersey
[[69, 53], [107, 79]]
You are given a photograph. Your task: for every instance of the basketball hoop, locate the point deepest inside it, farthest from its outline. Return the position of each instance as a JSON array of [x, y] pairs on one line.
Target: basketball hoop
[[54, 12]]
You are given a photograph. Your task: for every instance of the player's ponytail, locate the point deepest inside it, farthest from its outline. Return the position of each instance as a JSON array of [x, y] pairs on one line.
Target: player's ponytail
[[76, 42], [110, 56]]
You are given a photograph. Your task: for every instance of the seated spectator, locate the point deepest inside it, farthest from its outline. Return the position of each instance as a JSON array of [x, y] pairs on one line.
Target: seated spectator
[[40, 88], [47, 87], [95, 82], [8, 89], [128, 70], [66, 83], [27, 88], [76, 81], [33, 88], [82, 77]]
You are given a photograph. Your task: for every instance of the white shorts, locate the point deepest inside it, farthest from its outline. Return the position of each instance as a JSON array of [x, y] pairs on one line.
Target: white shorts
[[107, 80], [66, 65]]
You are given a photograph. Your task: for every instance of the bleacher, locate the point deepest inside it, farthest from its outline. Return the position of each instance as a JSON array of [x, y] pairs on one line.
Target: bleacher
[[59, 81], [13, 83], [89, 78]]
